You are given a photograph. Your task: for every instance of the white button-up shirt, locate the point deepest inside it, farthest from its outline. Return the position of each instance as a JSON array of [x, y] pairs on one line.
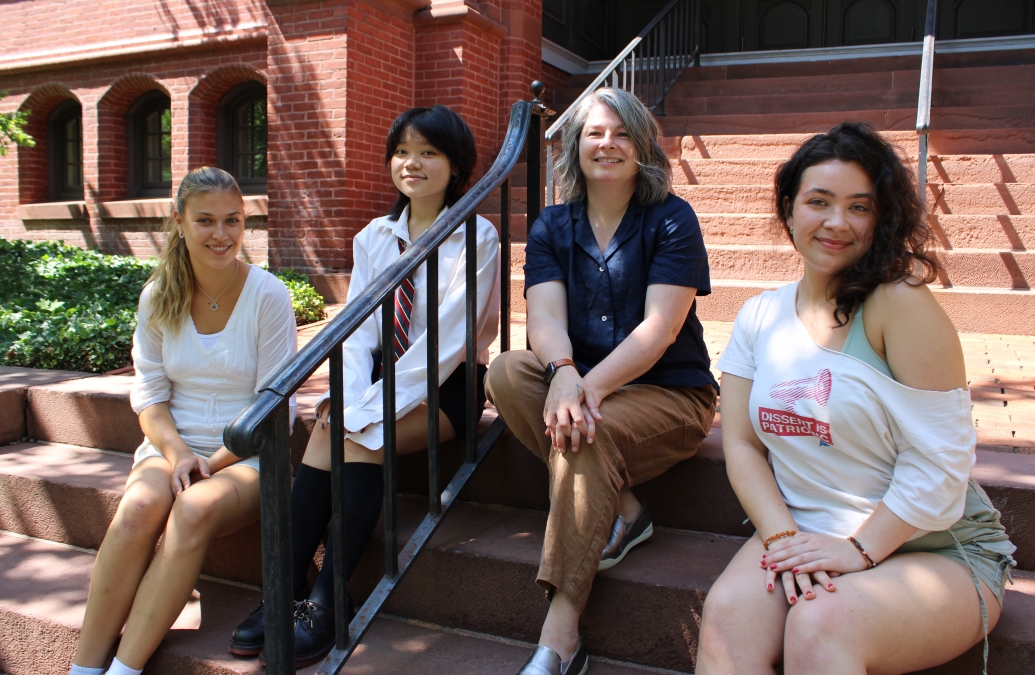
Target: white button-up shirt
[[374, 249]]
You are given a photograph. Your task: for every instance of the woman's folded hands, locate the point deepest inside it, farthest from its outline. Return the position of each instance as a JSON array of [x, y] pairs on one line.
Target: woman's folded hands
[[805, 560]]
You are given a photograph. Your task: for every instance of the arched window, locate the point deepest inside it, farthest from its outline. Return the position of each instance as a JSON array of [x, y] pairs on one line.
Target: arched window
[[150, 146], [242, 146], [65, 143]]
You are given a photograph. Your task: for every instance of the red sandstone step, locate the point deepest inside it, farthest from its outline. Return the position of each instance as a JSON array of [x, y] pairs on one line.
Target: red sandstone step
[[895, 119], [43, 597], [69, 494], [646, 610], [1001, 231], [14, 387], [770, 145], [972, 310]]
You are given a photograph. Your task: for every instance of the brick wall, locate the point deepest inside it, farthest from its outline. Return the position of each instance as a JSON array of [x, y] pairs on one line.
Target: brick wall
[[555, 79], [106, 91], [337, 73]]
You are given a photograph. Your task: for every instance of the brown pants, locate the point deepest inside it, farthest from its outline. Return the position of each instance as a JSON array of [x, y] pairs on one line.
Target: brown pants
[[646, 429]]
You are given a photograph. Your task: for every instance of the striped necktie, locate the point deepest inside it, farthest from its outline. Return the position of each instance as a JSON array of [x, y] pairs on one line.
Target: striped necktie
[[403, 310]]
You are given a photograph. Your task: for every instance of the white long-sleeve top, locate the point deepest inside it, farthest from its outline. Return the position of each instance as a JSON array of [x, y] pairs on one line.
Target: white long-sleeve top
[[843, 437], [374, 249], [206, 387]]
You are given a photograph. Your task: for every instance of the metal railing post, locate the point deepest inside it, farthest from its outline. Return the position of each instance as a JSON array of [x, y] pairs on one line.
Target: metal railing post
[[434, 463], [388, 406], [275, 489], [533, 158], [505, 263], [338, 519], [471, 315], [923, 107]]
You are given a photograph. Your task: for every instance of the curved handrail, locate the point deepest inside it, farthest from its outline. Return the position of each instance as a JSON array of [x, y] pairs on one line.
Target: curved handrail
[[243, 435], [923, 105]]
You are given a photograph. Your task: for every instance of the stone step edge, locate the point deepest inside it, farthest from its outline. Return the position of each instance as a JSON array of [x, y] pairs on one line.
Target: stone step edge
[[42, 643], [510, 478]]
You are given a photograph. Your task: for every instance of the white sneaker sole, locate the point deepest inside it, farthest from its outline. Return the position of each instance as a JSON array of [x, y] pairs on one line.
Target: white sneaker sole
[[644, 536]]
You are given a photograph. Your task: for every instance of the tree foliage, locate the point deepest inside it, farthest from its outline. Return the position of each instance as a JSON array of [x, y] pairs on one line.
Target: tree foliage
[[63, 307], [12, 129]]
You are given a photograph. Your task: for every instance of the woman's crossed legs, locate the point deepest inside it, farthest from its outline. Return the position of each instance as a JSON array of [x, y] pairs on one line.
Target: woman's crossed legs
[[128, 587], [913, 611]]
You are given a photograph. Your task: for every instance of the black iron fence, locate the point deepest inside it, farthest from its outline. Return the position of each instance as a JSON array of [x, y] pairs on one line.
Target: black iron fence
[[262, 427]]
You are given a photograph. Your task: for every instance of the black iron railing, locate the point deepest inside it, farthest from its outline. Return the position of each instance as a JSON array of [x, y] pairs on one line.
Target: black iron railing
[[262, 427], [648, 66]]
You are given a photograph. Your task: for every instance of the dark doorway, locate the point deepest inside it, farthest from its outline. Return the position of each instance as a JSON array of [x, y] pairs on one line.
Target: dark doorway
[[598, 29]]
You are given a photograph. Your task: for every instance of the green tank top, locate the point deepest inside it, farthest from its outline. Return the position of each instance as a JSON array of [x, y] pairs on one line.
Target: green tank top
[[858, 346]]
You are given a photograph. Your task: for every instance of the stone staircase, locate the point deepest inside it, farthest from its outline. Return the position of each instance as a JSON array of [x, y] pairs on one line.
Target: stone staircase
[[469, 604], [727, 129]]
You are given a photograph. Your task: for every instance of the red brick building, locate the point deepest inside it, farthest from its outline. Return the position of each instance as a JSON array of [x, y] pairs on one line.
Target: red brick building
[[125, 98]]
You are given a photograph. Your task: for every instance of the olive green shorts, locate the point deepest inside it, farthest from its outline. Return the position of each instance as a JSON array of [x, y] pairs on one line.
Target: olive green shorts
[[980, 535]]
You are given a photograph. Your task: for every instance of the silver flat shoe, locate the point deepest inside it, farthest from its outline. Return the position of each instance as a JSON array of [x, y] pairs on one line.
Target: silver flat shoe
[[624, 537], [545, 661]]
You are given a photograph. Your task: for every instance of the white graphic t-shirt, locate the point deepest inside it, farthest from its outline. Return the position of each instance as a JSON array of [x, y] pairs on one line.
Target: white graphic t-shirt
[[843, 437]]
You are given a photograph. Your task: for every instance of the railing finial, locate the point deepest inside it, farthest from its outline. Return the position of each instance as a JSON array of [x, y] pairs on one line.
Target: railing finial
[[538, 88]]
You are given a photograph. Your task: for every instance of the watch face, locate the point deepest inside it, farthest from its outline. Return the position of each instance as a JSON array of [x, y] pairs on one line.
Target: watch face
[[548, 373]]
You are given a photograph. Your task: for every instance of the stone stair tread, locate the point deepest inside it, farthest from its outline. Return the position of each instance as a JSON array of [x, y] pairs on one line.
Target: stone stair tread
[[38, 631], [69, 494]]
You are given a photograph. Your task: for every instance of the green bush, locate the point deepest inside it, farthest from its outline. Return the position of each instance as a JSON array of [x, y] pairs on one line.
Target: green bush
[[307, 303], [63, 307]]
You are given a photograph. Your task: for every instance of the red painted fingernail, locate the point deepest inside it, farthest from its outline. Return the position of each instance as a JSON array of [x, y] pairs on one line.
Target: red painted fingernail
[[794, 571], [770, 587], [809, 594], [830, 586], [773, 566], [794, 600]]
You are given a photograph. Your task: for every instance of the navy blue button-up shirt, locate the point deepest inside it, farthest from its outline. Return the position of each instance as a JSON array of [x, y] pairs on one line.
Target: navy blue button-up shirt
[[607, 293]]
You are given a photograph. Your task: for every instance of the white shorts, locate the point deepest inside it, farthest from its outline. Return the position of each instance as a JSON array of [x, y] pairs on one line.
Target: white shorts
[[147, 450]]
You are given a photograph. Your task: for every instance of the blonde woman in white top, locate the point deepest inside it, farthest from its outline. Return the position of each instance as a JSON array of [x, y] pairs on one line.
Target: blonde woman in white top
[[210, 331]]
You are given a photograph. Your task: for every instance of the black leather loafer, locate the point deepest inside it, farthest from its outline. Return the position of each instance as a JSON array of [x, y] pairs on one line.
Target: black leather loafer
[[545, 661], [249, 636], [314, 633], [623, 537]]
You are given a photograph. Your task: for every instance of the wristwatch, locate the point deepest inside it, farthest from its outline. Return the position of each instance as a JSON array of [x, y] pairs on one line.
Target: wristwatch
[[551, 369]]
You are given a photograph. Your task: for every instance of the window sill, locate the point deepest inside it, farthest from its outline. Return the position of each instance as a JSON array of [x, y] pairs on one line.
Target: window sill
[[254, 205], [54, 211]]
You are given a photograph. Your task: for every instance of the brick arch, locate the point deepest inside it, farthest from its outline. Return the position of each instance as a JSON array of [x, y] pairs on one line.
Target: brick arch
[[33, 164], [204, 98], [112, 123]]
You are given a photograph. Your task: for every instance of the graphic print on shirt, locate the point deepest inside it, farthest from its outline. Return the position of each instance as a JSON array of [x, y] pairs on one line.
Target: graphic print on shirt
[[805, 400]]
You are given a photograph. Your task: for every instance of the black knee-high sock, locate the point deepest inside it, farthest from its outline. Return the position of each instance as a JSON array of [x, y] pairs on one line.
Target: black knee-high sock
[[310, 514], [364, 492]]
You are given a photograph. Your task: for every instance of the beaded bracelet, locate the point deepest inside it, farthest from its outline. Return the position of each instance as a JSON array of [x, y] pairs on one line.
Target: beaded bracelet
[[869, 561], [779, 535]]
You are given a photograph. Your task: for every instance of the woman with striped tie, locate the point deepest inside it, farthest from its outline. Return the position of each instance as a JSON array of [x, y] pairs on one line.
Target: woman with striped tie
[[848, 438], [431, 155]]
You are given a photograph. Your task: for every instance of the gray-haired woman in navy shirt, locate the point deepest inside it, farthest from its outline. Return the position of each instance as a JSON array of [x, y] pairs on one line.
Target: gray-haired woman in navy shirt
[[616, 388]]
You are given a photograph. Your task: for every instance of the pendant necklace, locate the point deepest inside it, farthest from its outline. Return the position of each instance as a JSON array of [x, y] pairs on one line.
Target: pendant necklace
[[215, 301]]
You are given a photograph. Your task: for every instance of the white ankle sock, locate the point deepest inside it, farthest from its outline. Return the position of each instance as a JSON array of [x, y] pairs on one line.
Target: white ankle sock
[[80, 670], [120, 668]]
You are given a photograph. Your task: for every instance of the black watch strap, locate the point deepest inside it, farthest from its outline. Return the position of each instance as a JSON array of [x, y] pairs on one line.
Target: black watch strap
[[551, 368]]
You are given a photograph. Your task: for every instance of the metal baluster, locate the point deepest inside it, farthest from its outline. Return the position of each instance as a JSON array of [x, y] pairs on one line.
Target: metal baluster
[[388, 405], [275, 488], [471, 227], [697, 33], [505, 266], [338, 517], [434, 464]]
